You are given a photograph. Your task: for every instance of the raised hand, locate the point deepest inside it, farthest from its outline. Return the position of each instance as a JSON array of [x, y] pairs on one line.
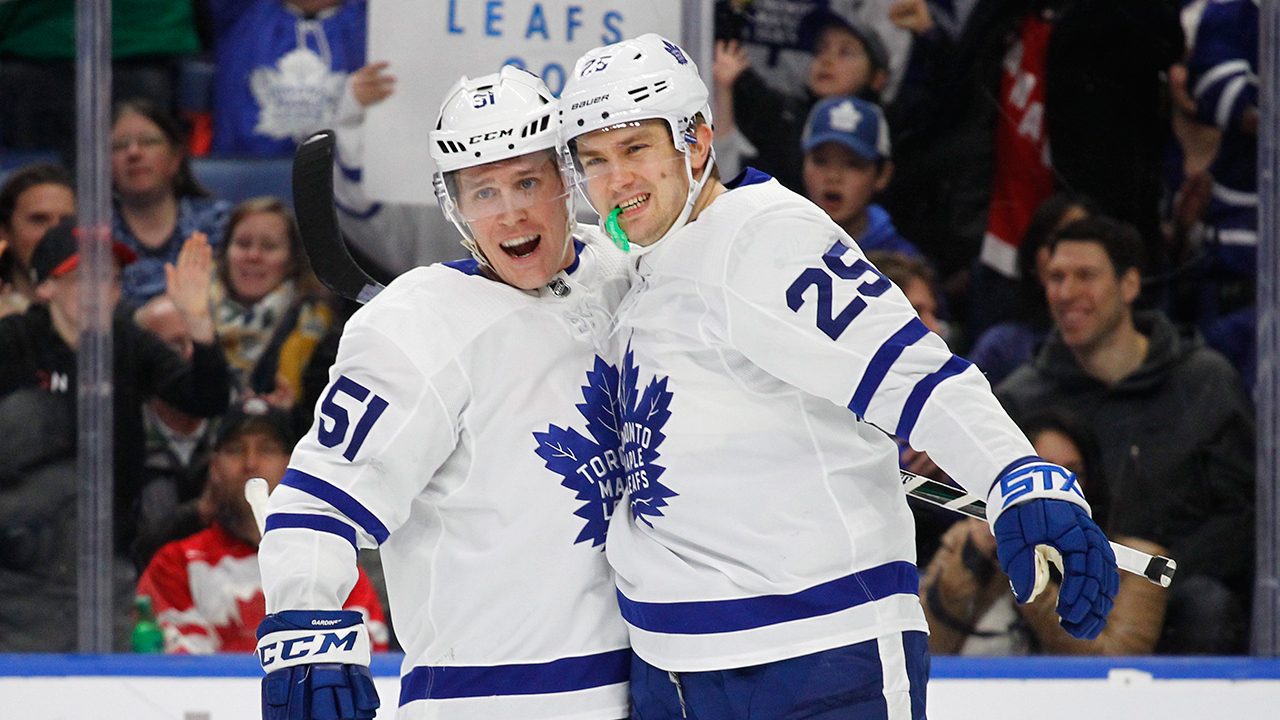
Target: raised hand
[[730, 62], [187, 283], [371, 84], [911, 15]]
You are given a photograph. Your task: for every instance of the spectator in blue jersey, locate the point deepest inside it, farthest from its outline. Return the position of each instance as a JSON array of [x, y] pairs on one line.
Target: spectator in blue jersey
[[1006, 346], [1222, 74], [846, 162], [158, 202], [282, 66]]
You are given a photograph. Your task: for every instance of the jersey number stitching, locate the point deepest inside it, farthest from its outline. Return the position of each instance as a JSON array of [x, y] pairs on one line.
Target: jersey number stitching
[[333, 436], [835, 325]]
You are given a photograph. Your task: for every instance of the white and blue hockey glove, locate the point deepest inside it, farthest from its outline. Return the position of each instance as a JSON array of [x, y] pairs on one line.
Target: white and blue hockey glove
[[1039, 515], [317, 665]]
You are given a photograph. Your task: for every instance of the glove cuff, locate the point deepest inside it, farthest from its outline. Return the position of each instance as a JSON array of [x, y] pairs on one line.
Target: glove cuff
[[1032, 478], [307, 637]]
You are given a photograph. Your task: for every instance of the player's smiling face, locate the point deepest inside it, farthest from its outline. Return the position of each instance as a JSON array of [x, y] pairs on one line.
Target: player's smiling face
[[516, 211], [635, 167]]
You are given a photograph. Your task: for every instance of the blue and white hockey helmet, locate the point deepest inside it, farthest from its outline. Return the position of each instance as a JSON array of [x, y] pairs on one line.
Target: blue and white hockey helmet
[[497, 118], [639, 79]]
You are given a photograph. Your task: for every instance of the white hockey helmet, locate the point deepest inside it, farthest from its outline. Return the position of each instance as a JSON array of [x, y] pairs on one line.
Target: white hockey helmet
[[496, 117], [645, 78]]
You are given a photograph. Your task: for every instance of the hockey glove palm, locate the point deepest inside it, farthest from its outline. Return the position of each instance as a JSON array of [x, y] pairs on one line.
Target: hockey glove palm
[[317, 665], [1039, 515]]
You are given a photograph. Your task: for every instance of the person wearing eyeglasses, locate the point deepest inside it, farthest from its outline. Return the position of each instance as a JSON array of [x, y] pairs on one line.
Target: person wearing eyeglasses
[[158, 202]]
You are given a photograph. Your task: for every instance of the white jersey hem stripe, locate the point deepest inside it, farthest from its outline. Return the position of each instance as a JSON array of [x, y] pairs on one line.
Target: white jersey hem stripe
[[706, 617]]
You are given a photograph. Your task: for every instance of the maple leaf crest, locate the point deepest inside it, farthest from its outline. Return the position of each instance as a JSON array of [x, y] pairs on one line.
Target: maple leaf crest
[[590, 466], [642, 423]]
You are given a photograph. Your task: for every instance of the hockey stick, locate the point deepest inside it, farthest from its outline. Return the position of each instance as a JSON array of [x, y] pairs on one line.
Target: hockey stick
[[255, 491], [334, 266], [1156, 568], [318, 221]]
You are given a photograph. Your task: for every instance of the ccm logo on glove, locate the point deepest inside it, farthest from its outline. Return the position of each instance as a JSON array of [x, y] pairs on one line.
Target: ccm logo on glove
[[295, 648]]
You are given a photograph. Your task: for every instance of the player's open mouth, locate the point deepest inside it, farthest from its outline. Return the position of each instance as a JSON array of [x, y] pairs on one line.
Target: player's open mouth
[[521, 247], [629, 207]]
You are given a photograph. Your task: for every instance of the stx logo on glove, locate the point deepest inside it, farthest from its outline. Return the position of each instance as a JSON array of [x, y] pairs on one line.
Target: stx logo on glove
[[1023, 480], [296, 647]]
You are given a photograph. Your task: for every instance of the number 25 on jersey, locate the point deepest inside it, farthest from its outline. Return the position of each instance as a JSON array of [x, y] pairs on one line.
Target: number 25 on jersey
[[835, 324], [334, 432]]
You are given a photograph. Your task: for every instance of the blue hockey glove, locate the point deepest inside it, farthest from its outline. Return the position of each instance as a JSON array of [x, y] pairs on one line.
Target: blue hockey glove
[[317, 665], [1039, 515]]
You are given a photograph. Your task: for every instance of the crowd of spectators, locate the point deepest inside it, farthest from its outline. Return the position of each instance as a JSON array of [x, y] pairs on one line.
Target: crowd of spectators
[[1064, 189]]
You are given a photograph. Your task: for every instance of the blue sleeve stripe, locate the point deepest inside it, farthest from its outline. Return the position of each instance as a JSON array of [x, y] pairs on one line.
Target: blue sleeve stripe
[[322, 523], [722, 616], [558, 676], [921, 392], [885, 357], [339, 499]]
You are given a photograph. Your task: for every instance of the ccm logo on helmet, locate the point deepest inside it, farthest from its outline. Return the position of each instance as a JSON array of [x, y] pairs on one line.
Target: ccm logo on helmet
[[307, 645], [491, 136]]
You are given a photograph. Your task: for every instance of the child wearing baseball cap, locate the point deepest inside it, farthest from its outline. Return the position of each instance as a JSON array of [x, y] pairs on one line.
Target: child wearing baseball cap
[[848, 59], [846, 162]]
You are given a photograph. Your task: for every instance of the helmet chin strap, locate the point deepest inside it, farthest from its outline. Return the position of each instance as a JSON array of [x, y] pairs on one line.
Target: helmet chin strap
[[619, 236]]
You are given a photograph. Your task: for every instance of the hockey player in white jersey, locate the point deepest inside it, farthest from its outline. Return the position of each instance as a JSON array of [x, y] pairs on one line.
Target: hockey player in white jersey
[[468, 431], [764, 550]]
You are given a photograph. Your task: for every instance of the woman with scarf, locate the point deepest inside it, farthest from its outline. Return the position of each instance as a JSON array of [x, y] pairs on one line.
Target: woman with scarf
[[268, 313]]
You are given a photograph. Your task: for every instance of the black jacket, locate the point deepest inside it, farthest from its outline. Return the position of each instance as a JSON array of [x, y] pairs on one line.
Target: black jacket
[[1177, 444], [33, 355]]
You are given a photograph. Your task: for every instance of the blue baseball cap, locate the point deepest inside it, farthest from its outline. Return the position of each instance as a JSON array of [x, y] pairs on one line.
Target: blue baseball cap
[[857, 124]]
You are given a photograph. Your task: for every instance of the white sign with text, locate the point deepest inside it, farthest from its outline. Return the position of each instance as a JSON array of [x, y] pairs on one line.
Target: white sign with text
[[431, 43]]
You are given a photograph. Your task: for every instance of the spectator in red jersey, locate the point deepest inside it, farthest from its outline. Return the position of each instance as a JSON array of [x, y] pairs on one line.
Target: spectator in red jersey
[[206, 589]]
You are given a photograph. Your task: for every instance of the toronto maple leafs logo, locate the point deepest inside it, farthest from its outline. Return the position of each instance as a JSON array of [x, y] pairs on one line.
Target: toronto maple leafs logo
[[298, 96], [676, 52], [642, 422], [590, 466]]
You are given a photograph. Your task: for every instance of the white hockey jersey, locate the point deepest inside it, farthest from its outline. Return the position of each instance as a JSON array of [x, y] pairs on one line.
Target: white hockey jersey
[[763, 519], [468, 430]]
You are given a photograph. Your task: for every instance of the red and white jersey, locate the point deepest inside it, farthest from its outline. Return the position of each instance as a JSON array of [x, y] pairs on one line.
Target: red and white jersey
[[207, 594]]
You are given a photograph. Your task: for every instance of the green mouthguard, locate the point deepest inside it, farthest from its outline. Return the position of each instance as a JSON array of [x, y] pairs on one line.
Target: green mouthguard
[[616, 233]]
